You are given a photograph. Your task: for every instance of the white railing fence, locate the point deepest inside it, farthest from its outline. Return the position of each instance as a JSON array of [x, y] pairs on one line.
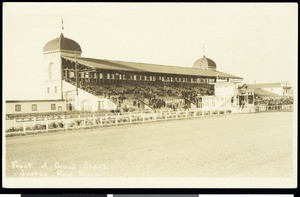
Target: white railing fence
[[14, 127], [49, 124]]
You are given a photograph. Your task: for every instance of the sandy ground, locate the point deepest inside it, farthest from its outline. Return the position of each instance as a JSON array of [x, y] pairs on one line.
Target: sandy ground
[[245, 145]]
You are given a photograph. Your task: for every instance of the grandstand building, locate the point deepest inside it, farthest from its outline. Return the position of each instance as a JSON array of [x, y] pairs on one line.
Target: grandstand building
[[99, 84], [279, 89]]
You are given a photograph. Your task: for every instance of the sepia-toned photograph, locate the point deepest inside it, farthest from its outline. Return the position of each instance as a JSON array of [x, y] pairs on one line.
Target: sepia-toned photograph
[[160, 95]]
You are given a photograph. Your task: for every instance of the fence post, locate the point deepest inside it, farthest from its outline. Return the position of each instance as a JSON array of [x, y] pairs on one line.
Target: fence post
[[143, 116], [94, 119], [218, 112], [47, 123], [130, 117], [177, 114], [84, 122], [186, 113], [101, 123], [66, 124], [166, 116], [105, 116], [225, 111], [194, 113], [116, 120], [155, 115], [24, 128]]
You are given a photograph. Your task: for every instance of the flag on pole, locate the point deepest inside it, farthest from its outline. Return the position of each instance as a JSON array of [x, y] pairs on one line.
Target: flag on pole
[[62, 24]]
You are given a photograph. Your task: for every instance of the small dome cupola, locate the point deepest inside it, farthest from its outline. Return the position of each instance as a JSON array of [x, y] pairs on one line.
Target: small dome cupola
[[205, 63], [62, 44]]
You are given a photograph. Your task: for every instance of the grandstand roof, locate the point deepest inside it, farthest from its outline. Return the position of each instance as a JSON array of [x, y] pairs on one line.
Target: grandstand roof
[[29, 101], [145, 67], [264, 93], [266, 85]]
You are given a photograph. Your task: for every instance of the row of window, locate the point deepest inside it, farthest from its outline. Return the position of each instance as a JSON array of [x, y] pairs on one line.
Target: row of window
[[34, 107], [136, 77], [49, 90]]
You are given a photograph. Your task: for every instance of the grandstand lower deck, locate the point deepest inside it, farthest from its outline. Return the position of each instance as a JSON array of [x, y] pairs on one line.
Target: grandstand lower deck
[[154, 95]]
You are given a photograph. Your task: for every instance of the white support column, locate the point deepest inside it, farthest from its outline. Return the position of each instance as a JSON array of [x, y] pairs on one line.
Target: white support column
[[130, 117]]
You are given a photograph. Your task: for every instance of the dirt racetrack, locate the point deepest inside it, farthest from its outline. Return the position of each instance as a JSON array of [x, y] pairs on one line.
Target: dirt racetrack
[[244, 145]]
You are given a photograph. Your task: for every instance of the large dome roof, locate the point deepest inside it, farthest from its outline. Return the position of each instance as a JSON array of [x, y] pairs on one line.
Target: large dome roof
[[205, 63], [62, 44]]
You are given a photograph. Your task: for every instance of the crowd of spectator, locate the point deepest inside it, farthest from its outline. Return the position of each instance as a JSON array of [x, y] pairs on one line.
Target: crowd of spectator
[[273, 101], [153, 95]]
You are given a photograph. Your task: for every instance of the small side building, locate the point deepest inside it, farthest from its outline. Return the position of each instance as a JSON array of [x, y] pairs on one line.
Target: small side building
[[282, 89], [34, 106]]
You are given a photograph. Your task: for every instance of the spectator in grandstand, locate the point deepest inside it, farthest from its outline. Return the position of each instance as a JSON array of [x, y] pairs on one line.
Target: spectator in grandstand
[[138, 104], [186, 107]]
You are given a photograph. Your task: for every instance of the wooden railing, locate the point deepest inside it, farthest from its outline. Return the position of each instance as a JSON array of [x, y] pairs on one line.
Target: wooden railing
[[50, 124], [14, 128]]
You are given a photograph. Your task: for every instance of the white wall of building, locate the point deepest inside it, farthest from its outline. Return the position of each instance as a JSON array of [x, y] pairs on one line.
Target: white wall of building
[[216, 102], [41, 106], [87, 101], [53, 75], [225, 89]]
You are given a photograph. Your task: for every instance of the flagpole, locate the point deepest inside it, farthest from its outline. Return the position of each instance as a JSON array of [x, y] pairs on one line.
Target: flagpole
[[62, 25], [76, 72]]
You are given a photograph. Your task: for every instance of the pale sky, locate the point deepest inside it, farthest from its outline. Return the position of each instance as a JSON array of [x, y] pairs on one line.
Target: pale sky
[[253, 41]]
